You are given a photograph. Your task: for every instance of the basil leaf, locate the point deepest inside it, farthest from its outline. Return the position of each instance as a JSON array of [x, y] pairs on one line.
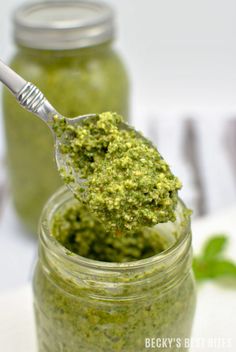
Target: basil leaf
[[215, 246], [211, 263], [213, 268]]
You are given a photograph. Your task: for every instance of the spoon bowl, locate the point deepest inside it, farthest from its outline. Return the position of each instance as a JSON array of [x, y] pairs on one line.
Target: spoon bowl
[[64, 161]]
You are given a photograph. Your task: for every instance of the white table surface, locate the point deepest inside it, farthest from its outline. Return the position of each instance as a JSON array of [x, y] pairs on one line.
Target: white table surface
[[216, 308]]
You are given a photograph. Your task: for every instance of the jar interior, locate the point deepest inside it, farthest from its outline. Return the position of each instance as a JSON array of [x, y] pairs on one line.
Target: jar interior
[[76, 229]]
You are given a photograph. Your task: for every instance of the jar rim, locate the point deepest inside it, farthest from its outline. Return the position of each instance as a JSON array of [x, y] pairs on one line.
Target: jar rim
[[63, 24], [49, 241]]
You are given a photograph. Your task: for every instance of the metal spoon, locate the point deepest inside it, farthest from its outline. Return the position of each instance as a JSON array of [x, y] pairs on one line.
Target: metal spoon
[[33, 100]]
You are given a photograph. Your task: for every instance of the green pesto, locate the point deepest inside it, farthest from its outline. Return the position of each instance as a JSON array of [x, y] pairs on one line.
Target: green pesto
[[75, 82], [81, 233], [81, 312], [128, 185]]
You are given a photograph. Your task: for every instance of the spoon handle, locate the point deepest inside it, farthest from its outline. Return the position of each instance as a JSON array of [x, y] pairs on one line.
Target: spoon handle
[[11, 79], [27, 94]]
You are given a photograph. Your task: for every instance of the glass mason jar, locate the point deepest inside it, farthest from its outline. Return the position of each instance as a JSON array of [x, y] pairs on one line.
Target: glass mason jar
[[65, 48], [88, 305]]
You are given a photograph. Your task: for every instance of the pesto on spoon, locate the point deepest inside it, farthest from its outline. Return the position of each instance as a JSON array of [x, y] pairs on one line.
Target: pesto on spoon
[[125, 182], [108, 165]]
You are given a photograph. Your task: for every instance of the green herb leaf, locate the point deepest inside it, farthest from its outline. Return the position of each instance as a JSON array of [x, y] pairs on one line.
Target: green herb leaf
[[211, 263], [215, 246], [213, 268]]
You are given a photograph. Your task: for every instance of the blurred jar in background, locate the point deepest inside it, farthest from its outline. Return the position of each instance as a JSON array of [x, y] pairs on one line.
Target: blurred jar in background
[[65, 48]]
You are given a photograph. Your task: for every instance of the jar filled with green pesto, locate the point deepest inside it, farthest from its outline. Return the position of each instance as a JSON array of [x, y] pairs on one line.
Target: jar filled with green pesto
[[100, 293], [66, 49]]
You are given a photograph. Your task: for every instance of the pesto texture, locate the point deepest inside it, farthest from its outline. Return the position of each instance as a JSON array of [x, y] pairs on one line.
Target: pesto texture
[[80, 309], [127, 184], [212, 263], [81, 233]]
